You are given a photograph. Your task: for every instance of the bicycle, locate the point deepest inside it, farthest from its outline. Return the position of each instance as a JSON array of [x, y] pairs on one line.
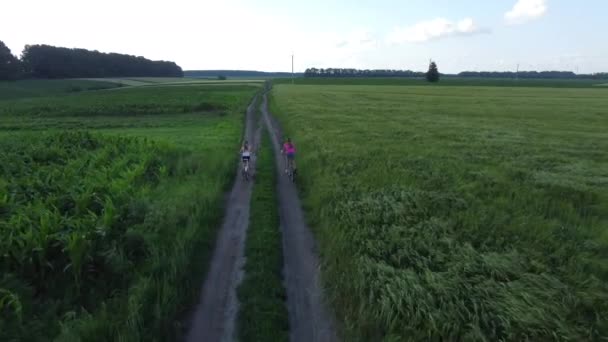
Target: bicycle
[[245, 169], [291, 171], [246, 160], [288, 150]]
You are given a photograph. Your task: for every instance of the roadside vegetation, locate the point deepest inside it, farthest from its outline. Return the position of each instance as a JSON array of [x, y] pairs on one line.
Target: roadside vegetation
[[262, 313], [107, 228], [456, 213]]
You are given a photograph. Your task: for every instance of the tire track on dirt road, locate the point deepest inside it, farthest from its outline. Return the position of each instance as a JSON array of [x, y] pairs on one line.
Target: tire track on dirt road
[[309, 318], [214, 317]]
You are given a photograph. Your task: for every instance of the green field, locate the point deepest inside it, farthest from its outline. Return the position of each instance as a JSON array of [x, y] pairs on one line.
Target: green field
[[36, 88], [31, 88], [465, 212], [108, 201], [446, 81], [456, 213], [156, 81]]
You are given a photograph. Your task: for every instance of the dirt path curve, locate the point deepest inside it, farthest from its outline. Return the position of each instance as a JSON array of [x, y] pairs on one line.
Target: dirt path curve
[[215, 315], [309, 319]]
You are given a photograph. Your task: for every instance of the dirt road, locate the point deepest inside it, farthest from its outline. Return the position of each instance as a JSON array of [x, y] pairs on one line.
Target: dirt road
[[215, 316], [309, 319]]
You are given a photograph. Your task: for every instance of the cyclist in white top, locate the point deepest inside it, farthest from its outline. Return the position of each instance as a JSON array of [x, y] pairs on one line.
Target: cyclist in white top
[[246, 154]]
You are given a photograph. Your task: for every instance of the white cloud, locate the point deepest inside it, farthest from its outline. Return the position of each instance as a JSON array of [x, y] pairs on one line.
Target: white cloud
[[333, 49], [525, 10], [359, 39], [433, 29]]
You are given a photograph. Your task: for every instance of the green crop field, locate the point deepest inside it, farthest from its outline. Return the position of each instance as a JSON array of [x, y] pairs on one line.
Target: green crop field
[[164, 81], [31, 88], [446, 81], [109, 201], [456, 213]]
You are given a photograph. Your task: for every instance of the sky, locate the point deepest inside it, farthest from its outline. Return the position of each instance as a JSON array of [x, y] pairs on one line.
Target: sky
[[459, 35]]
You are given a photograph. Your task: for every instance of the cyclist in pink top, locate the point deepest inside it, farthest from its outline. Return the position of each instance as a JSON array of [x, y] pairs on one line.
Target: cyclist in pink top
[[289, 150]]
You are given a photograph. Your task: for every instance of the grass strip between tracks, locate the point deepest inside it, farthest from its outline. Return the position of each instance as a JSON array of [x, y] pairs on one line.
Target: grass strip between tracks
[[263, 315]]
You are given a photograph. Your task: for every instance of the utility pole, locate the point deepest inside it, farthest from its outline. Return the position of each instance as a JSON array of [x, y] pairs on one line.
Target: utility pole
[[292, 68], [517, 72]]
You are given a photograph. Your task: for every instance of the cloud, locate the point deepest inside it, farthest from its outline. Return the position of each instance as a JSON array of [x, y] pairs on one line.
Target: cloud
[[433, 29], [359, 39], [331, 49], [342, 44], [525, 10]]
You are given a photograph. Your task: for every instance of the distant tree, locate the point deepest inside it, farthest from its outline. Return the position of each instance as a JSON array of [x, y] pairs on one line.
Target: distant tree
[[433, 74], [221, 77], [599, 76], [9, 64]]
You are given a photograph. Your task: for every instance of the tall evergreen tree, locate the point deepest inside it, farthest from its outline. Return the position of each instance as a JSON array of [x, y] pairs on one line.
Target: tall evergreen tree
[[433, 74]]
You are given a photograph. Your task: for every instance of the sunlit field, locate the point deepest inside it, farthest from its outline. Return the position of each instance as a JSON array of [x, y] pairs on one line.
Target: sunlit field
[[456, 213]]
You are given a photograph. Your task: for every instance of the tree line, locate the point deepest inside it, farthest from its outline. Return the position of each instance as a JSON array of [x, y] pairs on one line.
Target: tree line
[[531, 74], [45, 61], [432, 75], [342, 72], [238, 73]]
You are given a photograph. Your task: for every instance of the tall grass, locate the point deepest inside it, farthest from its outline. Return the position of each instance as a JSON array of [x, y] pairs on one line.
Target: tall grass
[[72, 206], [106, 237], [186, 212], [449, 213]]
